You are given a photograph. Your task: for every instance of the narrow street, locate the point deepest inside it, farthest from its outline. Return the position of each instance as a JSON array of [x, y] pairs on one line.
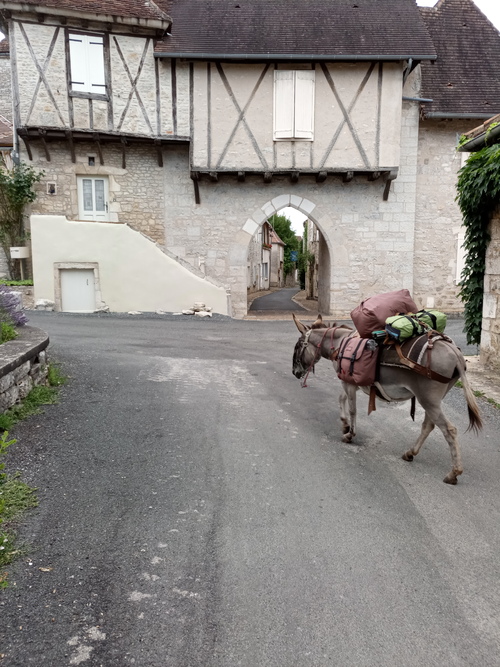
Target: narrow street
[[198, 509]]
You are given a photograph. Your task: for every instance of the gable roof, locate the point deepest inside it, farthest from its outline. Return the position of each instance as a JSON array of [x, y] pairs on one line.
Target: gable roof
[[311, 29], [131, 9], [464, 79]]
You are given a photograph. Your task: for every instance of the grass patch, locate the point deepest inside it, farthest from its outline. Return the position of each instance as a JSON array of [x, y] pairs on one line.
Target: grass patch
[[31, 405], [16, 283], [16, 497], [7, 332], [55, 377]]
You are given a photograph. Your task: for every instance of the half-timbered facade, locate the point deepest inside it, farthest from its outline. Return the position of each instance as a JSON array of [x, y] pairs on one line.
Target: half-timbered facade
[[169, 134]]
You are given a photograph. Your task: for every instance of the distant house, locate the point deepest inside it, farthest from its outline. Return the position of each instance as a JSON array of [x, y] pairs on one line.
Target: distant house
[[170, 133], [259, 259], [277, 278]]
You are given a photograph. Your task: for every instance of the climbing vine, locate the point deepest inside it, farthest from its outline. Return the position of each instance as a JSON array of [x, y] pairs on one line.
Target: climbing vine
[[478, 195]]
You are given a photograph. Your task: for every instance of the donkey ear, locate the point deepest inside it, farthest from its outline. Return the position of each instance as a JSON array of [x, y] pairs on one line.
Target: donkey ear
[[319, 323], [301, 327]]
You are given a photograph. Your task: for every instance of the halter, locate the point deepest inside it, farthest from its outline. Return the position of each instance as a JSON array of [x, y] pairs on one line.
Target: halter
[[317, 353]]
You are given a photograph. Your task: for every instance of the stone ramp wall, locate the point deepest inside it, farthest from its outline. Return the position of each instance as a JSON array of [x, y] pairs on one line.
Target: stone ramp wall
[[23, 365]]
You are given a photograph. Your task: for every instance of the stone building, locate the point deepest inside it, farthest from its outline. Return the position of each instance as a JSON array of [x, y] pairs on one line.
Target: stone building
[[167, 142]]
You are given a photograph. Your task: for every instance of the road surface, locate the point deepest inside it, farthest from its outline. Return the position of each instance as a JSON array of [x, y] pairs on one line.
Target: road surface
[[198, 508]]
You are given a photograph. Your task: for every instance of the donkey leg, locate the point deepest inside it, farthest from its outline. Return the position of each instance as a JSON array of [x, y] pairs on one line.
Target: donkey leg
[[343, 411], [450, 433], [427, 427], [350, 391]]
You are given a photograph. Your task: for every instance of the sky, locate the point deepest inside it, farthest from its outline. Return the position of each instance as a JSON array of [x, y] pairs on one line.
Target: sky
[[490, 8]]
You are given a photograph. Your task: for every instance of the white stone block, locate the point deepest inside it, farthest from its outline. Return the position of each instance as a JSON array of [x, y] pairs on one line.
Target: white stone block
[[281, 201], [490, 306], [250, 227]]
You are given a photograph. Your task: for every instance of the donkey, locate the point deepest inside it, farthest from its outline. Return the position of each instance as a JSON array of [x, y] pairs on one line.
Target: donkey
[[394, 383]]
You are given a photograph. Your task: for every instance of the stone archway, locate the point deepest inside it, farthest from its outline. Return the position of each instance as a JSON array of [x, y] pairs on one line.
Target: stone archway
[[238, 251]]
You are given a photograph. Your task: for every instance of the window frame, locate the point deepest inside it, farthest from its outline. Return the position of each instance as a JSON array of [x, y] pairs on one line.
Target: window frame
[[81, 211], [105, 96], [289, 94]]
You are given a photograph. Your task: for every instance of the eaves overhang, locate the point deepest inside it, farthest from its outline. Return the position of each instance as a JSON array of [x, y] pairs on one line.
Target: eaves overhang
[[189, 55], [156, 24]]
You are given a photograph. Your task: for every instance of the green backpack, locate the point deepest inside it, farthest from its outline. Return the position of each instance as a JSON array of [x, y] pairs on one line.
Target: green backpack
[[433, 318], [402, 327]]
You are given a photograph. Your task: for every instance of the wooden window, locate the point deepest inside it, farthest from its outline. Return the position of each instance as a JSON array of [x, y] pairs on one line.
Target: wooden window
[[86, 58], [294, 105], [93, 198]]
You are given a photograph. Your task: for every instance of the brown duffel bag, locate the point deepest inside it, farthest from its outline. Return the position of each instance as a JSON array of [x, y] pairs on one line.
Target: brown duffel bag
[[372, 313], [357, 361]]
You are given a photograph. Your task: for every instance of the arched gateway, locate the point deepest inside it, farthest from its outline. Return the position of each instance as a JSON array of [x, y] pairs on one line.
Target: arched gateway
[[238, 251]]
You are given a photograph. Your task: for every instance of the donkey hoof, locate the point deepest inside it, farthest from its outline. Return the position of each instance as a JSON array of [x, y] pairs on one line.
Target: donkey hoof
[[450, 479], [347, 437], [345, 429], [407, 456]]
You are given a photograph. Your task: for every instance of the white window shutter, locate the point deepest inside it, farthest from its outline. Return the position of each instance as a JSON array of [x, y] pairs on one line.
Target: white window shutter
[[304, 104], [283, 104], [96, 64], [78, 62]]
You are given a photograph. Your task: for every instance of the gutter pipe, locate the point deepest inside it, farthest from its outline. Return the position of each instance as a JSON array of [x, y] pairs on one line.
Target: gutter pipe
[[288, 56], [442, 115], [487, 138]]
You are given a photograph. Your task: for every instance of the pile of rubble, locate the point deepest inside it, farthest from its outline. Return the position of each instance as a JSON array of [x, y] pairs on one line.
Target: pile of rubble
[[199, 309]]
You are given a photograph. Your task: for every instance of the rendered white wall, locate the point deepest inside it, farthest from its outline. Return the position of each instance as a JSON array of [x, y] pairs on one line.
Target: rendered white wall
[[134, 273]]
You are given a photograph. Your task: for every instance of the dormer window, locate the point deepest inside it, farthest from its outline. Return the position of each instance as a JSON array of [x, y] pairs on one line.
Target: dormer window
[[86, 61], [293, 105]]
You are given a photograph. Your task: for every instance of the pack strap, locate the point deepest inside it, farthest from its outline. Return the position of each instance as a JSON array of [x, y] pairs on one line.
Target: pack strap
[[418, 368]]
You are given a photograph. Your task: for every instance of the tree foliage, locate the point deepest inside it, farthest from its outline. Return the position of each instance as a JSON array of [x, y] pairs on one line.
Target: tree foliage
[[282, 227], [478, 195], [16, 191]]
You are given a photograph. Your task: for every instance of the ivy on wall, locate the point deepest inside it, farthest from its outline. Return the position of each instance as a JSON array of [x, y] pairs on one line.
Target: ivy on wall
[[478, 195]]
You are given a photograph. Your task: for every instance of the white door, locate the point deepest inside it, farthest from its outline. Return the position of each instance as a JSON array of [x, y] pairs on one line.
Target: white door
[[93, 198], [77, 290]]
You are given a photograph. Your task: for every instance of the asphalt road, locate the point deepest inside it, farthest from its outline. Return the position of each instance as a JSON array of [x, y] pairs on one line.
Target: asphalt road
[[198, 508], [279, 300]]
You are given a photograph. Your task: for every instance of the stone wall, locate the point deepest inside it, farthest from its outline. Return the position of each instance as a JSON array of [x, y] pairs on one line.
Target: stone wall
[[5, 88], [23, 365], [490, 335], [438, 223], [136, 194]]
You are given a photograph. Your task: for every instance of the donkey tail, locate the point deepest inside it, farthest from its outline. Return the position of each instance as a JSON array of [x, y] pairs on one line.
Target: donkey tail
[[475, 421]]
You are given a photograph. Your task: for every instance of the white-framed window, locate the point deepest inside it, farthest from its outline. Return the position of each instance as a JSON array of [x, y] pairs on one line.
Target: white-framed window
[[93, 198], [265, 270], [294, 104], [86, 59]]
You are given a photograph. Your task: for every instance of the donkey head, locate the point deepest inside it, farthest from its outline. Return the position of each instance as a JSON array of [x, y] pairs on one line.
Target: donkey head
[[305, 353]]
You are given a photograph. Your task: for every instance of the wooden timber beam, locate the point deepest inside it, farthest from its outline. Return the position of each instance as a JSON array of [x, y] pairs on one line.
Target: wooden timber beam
[[69, 138], [321, 176], [123, 142], [97, 140], [159, 152], [43, 134], [25, 137], [268, 177], [295, 176], [348, 176], [195, 176], [214, 176], [374, 175], [241, 176]]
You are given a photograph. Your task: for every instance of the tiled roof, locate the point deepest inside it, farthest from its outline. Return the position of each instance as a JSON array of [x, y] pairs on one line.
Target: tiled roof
[[464, 78], [275, 238], [142, 9], [337, 28], [6, 138]]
